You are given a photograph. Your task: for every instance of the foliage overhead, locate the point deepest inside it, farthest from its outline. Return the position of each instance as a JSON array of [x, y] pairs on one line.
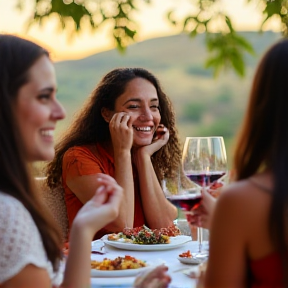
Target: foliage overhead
[[225, 46]]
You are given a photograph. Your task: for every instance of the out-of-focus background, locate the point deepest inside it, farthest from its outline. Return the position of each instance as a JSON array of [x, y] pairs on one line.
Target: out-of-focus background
[[205, 105]]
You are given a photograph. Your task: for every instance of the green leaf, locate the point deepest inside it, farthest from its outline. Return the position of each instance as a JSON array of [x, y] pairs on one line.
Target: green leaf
[[241, 41], [170, 18], [238, 63], [121, 48], [193, 33], [229, 23], [227, 50], [130, 33], [187, 20], [272, 8], [215, 63]]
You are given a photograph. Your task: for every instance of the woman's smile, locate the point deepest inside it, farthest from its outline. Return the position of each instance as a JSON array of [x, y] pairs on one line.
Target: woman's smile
[[140, 101]]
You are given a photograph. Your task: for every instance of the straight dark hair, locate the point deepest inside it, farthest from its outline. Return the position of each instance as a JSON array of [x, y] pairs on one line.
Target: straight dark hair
[[263, 140], [17, 56]]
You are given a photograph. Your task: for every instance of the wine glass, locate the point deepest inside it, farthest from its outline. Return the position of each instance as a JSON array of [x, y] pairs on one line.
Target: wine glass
[[204, 159], [204, 162], [183, 193]]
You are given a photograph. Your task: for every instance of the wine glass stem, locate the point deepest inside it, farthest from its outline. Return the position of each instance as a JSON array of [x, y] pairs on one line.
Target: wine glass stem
[[200, 238]]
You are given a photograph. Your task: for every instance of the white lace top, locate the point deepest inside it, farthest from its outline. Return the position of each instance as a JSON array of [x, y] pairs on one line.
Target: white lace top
[[20, 241]]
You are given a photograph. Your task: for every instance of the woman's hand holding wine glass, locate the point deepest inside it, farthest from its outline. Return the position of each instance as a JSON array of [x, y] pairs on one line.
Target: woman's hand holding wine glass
[[203, 162]]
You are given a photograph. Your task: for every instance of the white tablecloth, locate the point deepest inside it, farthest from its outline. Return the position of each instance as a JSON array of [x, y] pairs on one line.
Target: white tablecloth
[[169, 257]]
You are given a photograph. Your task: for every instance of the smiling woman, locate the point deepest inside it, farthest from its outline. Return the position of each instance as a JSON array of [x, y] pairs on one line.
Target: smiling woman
[[126, 130], [38, 95], [30, 241]]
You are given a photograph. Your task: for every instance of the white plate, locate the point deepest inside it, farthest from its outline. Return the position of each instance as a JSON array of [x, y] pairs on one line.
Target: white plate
[[117, 282], [174, 242], [117, 273], [190, 261]]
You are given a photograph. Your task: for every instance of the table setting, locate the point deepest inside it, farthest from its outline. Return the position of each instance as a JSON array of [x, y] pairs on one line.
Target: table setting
[[178, 271], [203, 164]]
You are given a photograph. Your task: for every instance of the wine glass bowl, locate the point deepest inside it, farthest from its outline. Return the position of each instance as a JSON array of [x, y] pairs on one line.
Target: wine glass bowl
[[185, 195], [181, 191], [204, 159], [186, 202]]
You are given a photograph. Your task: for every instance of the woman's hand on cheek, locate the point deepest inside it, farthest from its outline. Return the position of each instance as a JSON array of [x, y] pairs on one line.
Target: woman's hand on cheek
[[161, 137], [162, 134], [121, 131]]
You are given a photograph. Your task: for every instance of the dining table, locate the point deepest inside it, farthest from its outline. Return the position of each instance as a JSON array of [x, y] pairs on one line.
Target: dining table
[[178, 271]]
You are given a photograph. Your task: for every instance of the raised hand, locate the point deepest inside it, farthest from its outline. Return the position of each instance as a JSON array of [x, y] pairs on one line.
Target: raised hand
[[159, 140], [202, 216], [121, 131], [155, 278], [103, 207]]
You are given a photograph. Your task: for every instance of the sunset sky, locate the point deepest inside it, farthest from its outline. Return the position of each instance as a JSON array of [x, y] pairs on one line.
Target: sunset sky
[[151, 18]]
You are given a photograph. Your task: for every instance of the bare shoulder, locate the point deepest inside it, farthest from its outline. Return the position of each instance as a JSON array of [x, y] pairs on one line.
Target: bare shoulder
[[235, 193], [29, 276], [242, 200], [230, 233], [243, 191]]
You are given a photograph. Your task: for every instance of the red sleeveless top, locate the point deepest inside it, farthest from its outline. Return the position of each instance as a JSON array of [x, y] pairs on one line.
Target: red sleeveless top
[[266, 272]]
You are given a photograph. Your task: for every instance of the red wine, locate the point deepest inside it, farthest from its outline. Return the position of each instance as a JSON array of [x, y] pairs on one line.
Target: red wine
[[185, 202], [205, 178]]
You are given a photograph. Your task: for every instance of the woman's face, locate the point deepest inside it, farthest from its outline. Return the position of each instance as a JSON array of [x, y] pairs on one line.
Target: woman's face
[[37, 111], [140, 101]]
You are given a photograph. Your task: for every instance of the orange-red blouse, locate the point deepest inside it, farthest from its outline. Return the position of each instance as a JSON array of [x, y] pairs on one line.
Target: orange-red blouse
[[89, 160]]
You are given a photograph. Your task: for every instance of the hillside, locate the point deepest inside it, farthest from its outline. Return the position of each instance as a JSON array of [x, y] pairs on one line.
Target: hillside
[[204, 105]]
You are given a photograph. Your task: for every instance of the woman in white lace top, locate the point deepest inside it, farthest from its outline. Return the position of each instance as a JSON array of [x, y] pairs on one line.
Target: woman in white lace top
[[30, 242]]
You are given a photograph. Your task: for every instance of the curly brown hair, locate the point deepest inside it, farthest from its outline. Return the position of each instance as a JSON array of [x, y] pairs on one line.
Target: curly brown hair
[[89, 127]]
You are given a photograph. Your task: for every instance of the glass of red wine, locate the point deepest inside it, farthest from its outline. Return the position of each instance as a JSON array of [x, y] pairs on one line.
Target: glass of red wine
[[204, 162], [185, 195]]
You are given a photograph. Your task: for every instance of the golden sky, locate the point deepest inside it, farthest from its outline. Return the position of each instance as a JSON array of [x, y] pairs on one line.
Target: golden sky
[[151, 18]]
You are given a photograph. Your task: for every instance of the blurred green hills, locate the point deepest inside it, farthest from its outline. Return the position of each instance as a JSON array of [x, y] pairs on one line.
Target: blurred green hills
[[204, 105]]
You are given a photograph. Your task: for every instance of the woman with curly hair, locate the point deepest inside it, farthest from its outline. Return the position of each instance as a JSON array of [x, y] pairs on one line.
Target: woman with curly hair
[[126, 130]]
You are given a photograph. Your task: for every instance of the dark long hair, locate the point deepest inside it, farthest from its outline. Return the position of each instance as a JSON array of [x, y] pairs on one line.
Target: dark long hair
[[263, 141], [89, 127], [16, 58]]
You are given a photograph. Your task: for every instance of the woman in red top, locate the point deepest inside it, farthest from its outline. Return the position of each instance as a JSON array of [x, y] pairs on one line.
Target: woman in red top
[[127, 130], [249, 243]]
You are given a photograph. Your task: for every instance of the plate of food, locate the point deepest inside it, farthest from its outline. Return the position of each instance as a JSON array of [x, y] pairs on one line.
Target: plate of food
[[118, 267], [143, 238], [187, 258]]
